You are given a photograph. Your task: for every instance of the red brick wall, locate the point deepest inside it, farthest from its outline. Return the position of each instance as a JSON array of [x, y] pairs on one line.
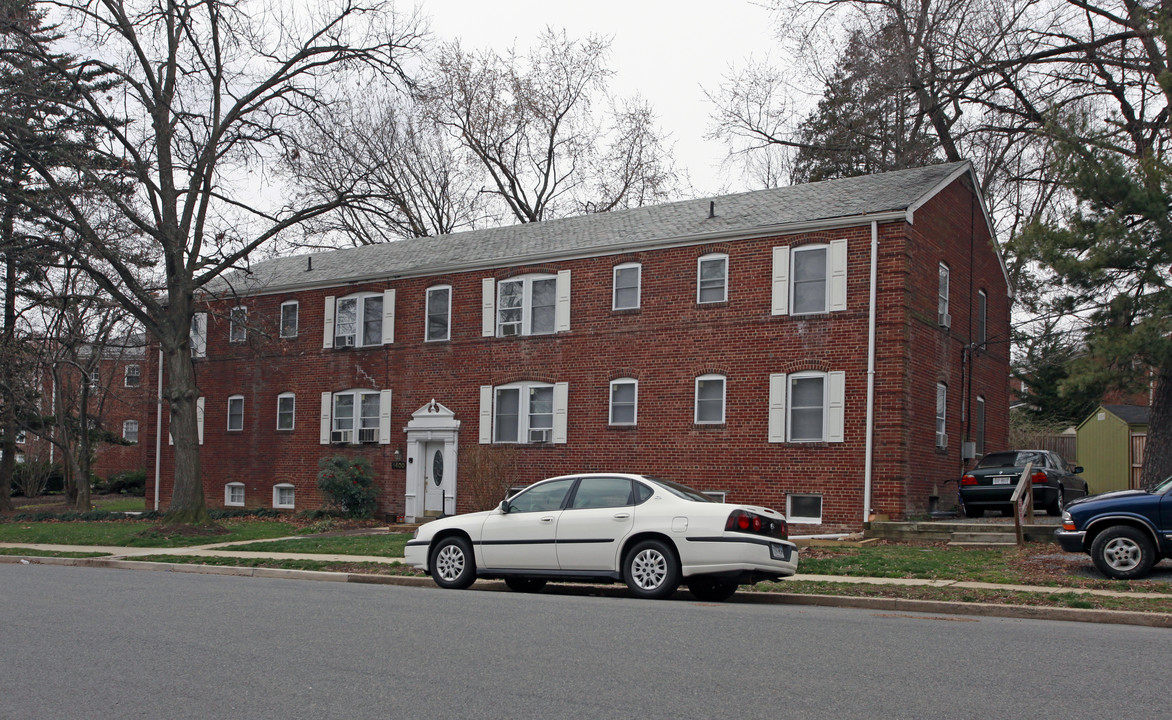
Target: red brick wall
[[666, 344]]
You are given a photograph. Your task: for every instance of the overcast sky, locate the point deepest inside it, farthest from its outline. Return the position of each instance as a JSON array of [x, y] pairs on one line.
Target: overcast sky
[[667, 51]]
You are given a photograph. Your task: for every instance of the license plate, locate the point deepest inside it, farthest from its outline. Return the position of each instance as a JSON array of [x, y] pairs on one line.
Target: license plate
[[1002, 481], [779, 552]]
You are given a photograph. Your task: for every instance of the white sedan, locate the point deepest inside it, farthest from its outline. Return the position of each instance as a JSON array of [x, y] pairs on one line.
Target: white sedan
[[652, 534]]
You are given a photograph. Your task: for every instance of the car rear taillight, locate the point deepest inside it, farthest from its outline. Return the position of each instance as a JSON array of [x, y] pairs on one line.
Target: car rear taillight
[[968, 480], [745, 521], [1038, 477]]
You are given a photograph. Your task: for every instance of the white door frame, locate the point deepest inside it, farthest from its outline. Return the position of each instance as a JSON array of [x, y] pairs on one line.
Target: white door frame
[[431, 423]]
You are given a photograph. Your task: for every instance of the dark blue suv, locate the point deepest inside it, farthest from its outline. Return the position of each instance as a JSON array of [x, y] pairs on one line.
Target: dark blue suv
[[1125, 532]]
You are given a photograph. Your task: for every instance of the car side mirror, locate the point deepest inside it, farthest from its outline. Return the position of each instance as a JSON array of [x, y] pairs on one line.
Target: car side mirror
[[505, 507], [1078, 469]]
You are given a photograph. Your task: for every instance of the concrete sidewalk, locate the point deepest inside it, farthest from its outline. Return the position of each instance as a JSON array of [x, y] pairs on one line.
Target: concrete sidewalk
[[130, 559]]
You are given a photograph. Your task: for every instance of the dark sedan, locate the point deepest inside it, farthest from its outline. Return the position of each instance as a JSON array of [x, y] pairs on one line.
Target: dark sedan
[[990, 485], [1125, 532]]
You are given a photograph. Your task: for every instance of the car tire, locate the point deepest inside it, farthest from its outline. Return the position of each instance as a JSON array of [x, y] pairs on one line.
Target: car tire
[[1054, 509], [973, 512], [452, 565], [525, 584], [709, 590], [651, 570], [1123, 553]]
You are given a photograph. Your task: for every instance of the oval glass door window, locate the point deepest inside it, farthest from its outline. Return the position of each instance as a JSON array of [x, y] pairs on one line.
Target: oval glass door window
[[437, 467]]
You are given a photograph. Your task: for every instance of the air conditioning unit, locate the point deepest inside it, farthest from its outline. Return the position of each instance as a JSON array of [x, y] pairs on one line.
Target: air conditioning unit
[[344, 341], [941, 440], [969, 450], [510, 329], [342, 436], [540, 436], [368, 435], [945, 320]]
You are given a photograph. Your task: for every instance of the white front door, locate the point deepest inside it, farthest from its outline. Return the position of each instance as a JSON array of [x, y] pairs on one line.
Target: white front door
[[434, 475]]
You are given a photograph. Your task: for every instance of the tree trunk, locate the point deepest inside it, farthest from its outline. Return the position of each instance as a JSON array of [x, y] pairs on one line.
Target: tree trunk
[[79, 461], [1158, 452], [188, 506]]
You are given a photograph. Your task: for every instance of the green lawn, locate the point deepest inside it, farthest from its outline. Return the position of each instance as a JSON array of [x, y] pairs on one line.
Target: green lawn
[[909, 561], [119, 503], [135, 533], [376, 545]]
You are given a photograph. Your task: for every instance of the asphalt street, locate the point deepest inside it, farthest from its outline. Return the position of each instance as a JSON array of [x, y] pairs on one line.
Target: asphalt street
[[98, 643]]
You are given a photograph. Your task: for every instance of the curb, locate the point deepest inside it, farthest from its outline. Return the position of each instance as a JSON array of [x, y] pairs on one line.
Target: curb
[[940, 607]]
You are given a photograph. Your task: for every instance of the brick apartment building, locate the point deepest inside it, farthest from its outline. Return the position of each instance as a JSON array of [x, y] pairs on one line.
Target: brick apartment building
[[830, 349]]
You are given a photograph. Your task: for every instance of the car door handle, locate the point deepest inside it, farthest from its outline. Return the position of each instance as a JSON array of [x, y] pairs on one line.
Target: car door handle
[[621, 516], [548, 519]]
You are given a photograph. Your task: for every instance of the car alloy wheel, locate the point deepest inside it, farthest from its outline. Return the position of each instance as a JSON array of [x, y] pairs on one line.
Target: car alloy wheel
[[651, 570], [452, 565], [1123, 553]]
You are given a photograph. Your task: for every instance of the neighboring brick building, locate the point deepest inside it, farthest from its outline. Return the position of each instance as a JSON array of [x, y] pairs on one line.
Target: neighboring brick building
[[722, 342]]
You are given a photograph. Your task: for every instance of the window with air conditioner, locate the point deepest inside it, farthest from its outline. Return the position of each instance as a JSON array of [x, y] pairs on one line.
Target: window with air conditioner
[[356, 417], [524, 413]]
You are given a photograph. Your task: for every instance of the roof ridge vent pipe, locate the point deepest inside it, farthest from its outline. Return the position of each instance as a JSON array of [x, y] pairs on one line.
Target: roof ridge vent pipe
[[711, 209]]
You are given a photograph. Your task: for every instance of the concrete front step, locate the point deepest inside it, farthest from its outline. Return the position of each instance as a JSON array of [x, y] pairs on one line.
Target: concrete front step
[[985, 537]]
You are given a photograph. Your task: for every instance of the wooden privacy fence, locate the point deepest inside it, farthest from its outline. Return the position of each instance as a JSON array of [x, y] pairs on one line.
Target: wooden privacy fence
[[1139, 441]]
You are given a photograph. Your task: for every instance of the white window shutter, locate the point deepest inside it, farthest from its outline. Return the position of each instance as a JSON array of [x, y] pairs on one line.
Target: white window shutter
[[384, 416], [486, 414], [328, 331], [562, 312], [327, 407], [777, 392], [199, 418], [561, 401], [837, 275], [388, 316], [488, 307], [781, 280], [835, 400]]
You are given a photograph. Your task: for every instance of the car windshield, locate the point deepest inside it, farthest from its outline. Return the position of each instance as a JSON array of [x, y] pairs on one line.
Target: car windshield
[[1011, 459], [681, 491], [1163, 487]]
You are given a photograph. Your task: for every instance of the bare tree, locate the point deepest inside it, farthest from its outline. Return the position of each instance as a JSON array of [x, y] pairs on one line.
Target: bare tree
[[407, 177], [546, 133], [212, 90]]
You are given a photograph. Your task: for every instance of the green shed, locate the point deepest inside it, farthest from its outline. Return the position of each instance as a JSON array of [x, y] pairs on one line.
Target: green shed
[[1110, 446]]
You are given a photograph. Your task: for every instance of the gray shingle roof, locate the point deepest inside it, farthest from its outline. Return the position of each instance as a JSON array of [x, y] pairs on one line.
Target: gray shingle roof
[[613, 232], [1130, 414]]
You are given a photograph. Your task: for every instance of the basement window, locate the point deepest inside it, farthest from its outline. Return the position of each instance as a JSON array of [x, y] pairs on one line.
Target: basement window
[[804, 509]]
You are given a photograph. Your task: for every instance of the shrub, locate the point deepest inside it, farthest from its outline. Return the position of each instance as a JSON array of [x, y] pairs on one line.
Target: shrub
[[348, 484], [131, 482]]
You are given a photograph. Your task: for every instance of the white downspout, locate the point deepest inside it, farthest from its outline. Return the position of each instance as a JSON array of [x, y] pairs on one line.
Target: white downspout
[[869, 452], [158, 429]]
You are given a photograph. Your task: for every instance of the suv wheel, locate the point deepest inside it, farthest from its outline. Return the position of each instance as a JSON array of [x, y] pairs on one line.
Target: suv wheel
[[1123, 552]]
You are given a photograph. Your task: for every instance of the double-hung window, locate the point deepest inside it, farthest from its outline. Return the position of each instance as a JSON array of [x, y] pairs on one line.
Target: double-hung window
[[238, 324], [624, 399], [356, 417], [941, 414], [709, 408], [236, 413], [133, 376], [627, 284], [523, 412], [283, 495], [234, 494], [130, 430], [526, 305], [942, 314], [982, 317], [810, 286], [439, 309], [286, 407], [809, 279], [359, 321], [289, 312], [807, 406], [199, 335], [712, 278]]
